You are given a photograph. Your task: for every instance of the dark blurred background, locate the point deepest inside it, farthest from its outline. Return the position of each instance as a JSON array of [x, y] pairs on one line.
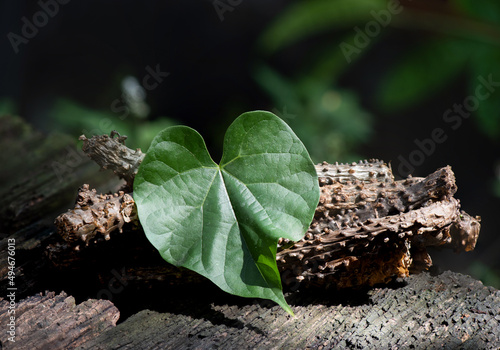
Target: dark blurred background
[[354, 79]]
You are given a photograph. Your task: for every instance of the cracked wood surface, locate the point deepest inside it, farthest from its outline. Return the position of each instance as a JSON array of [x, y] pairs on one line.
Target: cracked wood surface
[[450, 311], [53, 321]]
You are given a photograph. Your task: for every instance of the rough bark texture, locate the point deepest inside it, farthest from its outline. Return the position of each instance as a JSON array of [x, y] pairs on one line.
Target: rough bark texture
[[369, 228], [449, 311], [96, 213], [55, 322], [111, 153]]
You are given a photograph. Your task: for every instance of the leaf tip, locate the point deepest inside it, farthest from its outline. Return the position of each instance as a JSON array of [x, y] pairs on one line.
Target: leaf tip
[[284, 305]]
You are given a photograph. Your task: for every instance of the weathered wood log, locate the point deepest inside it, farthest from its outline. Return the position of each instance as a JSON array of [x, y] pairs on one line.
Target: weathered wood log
[[449, 311], [367, 229], [54, 322]]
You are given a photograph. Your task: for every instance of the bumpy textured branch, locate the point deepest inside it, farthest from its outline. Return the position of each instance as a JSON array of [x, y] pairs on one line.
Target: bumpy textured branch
[[111, 153], [367, 227], [96, 213], [376, 250]]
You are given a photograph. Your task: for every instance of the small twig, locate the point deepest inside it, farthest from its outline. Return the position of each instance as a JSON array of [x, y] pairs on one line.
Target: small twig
[[111, 153]]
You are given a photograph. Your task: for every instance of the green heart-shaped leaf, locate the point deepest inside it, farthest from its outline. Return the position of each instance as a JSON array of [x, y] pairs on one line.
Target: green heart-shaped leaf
[[224, 221]]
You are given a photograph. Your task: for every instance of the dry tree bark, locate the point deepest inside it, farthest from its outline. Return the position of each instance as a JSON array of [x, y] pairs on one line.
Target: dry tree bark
[[96, 213], [111, 153], [367, 229]]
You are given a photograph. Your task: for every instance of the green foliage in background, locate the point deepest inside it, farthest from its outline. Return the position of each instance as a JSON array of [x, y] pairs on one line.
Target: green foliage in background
[[465, 44], [224, 221], [7, 106], [329, 120], [489, 276], [75, 119], [308, 18]]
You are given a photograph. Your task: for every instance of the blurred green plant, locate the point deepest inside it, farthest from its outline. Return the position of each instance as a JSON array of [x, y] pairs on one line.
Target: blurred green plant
[[307, 18], [488, 275], [328, 120], [464, 39], [128, 115], [7, 106], [70, 117]]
